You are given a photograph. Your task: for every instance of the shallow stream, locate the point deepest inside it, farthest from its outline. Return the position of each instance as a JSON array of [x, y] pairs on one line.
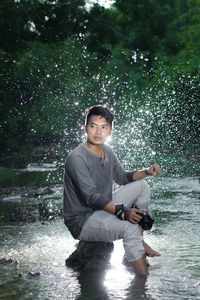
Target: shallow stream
[[34, 244]]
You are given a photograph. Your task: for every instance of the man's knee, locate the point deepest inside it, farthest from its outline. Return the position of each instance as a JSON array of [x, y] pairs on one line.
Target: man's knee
[[143, 185], [139, 184], [144, 194]]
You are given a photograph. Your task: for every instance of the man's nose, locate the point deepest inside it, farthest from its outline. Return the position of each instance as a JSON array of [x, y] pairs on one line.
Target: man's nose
[[98, 130]]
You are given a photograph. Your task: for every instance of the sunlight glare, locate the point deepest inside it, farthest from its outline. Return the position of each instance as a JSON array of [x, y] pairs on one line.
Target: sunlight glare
[[105, 3], [113, 282]]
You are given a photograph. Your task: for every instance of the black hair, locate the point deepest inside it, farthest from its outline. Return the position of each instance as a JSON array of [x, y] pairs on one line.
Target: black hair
[[99, 110]]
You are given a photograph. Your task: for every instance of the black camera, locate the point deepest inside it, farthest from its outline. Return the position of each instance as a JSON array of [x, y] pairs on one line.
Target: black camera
[[147, 220]]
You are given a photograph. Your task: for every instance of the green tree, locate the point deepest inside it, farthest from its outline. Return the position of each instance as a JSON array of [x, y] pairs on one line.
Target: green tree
[[47, 21]]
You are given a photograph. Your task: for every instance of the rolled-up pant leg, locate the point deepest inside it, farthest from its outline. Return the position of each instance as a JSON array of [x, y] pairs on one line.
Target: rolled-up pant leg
[[106, 227]]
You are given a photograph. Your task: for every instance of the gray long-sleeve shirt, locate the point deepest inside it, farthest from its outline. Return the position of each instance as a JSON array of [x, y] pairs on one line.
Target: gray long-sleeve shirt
[[88, 184]]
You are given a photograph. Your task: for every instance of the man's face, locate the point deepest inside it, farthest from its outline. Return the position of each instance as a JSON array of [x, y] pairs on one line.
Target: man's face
[[98, 130]]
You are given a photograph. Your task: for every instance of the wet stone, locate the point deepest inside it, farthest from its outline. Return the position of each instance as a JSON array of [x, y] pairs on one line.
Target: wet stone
[[25, 192], [38, 192], [197, 284], [22, 215], [8, 261], [33, 275], [46, 213], [90, 256]]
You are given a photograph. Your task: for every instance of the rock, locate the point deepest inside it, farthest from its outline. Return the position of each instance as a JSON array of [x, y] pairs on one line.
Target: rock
[[8, 261], [90, 256], [38, 192], [32, 274], [46, 212], [22, 215], [197, 284]]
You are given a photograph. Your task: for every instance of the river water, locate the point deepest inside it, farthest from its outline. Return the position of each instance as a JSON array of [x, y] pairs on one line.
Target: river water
[[34, 244]]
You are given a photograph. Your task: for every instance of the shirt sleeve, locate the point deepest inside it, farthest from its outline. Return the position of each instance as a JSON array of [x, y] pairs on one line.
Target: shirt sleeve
[[121, 176], [84, 186]]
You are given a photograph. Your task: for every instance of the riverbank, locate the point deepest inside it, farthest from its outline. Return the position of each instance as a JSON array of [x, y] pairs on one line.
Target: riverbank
[[44, 166]]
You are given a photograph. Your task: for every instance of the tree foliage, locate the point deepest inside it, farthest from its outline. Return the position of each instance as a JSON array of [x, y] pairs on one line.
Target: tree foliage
[[139, 57]]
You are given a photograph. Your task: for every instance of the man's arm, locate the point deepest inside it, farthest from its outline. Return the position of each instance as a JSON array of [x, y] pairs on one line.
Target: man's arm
[[131, 215], [110, 207], [151, 171]]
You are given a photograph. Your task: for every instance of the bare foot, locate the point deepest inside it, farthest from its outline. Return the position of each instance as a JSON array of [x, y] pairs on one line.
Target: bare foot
[[149, 251]]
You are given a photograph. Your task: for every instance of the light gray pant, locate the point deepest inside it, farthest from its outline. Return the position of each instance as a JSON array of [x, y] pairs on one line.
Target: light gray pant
[[106, 227]]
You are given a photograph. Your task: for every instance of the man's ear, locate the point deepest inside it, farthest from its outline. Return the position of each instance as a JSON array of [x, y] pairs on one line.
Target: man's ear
[[85, 128], [111, 131]]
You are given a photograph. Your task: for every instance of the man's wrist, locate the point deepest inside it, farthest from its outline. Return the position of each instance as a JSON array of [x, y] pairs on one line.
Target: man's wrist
[[146, 172], [120, 211]]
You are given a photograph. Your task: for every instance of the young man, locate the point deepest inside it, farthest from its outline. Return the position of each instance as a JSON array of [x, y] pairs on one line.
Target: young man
[[92, 212]]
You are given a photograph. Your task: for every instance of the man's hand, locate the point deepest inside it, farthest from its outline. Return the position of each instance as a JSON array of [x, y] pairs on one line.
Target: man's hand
[[154, 170], [132, 215], [151, 171]]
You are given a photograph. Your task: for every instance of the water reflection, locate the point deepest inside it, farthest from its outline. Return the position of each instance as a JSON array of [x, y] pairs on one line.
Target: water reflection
[[138, 289], [92, 286], [119, 276], [95, 286]]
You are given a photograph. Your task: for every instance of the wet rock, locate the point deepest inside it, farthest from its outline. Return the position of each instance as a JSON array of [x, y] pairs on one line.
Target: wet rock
[[197, 284], [33, 275], [8, 261], [90, 256], [22, 215], [15, 199], [38, 192], [15, 194], [46, 213]]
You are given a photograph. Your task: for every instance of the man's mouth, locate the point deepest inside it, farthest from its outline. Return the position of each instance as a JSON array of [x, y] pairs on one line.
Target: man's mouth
[[97, 138]]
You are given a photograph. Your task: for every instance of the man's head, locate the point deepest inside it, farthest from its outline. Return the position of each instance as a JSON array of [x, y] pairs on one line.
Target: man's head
[[98, 124], [99, 110]]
